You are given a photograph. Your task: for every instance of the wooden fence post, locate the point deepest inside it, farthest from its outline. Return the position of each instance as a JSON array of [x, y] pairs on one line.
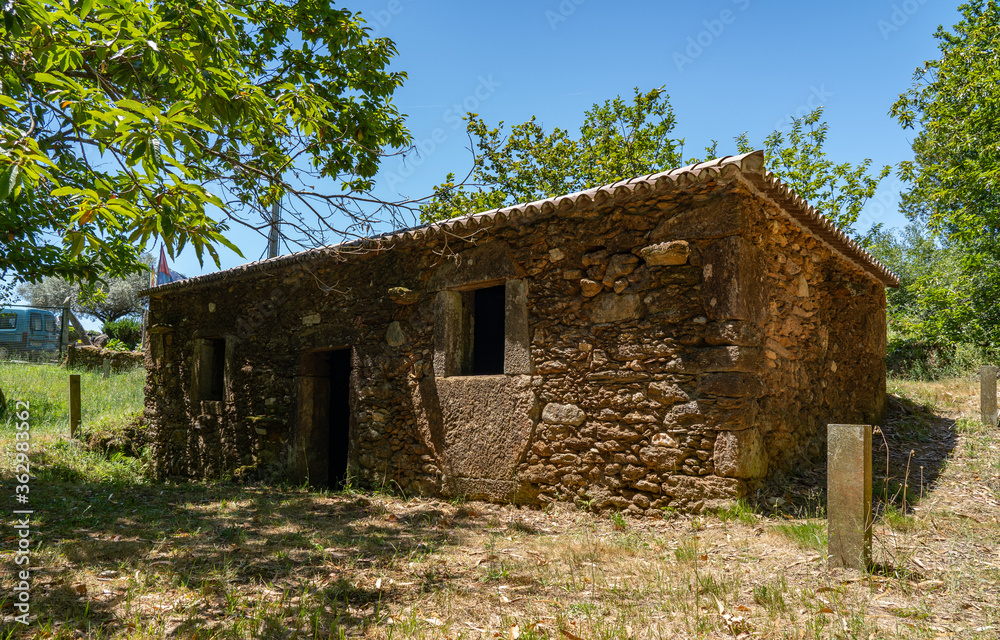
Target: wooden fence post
[[849, 495], [74, 404], [988, 395]]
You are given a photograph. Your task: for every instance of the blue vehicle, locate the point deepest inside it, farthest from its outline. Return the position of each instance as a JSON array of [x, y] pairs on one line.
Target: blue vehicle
[[28, 334]]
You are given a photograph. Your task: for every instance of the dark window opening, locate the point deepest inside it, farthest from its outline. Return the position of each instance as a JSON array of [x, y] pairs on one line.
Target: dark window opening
[[210, 370], [488, 330]]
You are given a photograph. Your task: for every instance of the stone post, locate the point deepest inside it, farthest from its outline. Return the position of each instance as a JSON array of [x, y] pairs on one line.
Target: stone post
[[106, 368], [64, 334], [988, 395], [74, 404], [849, 495]]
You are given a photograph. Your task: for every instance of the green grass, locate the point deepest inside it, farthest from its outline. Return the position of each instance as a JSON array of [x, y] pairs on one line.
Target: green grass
[[108, 405], [46, 388], [809, 535], [739, 511]]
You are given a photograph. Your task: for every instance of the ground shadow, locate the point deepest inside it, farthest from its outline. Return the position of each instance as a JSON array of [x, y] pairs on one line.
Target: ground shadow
[[909, 452], [216, 539]]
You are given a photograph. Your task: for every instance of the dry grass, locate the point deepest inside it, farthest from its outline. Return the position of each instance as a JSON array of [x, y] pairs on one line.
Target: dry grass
[[228, 561]]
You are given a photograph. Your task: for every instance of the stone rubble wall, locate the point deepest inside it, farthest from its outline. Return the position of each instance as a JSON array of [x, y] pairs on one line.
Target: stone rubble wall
[[825, 343], [89, 357], [673, 361]]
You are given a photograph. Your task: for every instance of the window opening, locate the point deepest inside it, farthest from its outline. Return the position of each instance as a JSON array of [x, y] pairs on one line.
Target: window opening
[[210, 369], [488, 330], [217, 370]]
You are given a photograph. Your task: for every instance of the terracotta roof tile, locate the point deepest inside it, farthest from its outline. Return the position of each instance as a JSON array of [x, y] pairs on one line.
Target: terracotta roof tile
[[748, 167]]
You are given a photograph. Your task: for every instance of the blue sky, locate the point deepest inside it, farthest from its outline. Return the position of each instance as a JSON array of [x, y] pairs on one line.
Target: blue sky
[[729, 66]]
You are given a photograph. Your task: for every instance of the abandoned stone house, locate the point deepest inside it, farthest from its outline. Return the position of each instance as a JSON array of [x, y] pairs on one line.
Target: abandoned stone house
[[665, 340]]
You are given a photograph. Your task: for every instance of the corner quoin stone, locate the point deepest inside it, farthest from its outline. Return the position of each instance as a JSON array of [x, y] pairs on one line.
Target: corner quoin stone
[[849, 495], [740, 454]]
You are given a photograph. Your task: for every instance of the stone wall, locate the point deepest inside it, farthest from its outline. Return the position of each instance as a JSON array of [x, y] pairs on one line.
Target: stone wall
[[660, 350], [89, 357]]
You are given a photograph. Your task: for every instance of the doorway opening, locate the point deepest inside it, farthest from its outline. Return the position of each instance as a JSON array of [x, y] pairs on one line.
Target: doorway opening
[[324, 424]]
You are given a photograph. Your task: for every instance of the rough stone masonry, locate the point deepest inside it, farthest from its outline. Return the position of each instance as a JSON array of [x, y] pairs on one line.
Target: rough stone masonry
[[668, 340]]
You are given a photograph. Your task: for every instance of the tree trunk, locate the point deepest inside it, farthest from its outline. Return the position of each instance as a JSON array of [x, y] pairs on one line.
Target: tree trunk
[[79, 329]]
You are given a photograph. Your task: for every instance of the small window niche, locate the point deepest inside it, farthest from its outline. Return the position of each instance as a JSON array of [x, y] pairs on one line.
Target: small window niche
[[482, 331], [487, 330], [210, 370]]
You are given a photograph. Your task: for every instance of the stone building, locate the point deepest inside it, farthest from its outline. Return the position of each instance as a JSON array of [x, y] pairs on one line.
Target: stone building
[[665, 340]]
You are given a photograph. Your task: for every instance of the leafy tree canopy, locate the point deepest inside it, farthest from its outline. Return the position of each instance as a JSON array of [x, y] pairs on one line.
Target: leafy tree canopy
[[838, 191], [954, 102], [617, 140], [621, 140], [954, 183], [107, 301], [123, 121]]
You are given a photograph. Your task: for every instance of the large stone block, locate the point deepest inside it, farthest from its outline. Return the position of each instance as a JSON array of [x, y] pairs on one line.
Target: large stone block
[[666, 393], [732, 385], [733, 277], [703, 487], [660, 458], [479, 488], [731, 358], [476, 426], [450, 320], [740, 454], [717, 219], [709, 416], [488, 262], [556, 413], [517, 335], [612, 307]]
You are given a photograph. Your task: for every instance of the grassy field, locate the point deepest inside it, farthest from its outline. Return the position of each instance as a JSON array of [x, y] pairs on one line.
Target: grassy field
[[115, 555]]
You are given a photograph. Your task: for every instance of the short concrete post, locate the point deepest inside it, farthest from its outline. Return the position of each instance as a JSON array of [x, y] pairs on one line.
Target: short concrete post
[[106, 368], [64, 334], [74, 404], [988, 395], [849, 495]]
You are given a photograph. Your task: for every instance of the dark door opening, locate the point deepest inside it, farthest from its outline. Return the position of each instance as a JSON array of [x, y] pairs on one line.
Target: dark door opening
[[488, 330], [324, 427], [340, 416]]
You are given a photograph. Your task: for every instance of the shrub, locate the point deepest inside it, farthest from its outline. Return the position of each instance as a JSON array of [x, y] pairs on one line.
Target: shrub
[[917, 360], [126, 330], [114, 344]]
